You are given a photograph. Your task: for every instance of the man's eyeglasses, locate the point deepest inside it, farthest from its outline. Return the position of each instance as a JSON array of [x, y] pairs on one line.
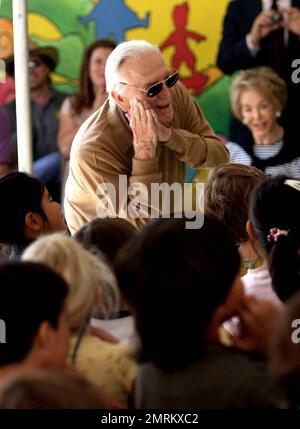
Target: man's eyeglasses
[[155, 89], [33, 64]]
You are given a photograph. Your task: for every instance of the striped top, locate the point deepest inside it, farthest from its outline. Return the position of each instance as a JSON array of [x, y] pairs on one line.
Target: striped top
[[239, 155]]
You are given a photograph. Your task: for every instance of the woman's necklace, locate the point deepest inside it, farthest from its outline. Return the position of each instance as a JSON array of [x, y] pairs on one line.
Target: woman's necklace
[[250, 263]]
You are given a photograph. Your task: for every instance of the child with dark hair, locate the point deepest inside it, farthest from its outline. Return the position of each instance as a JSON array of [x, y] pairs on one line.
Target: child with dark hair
[[27, 211], [274, 225], [32, 307], [274, 216], [105, 234], [108, 235], [182, 285]]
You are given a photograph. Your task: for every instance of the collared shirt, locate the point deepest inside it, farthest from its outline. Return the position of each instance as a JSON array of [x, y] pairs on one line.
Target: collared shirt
[[266, 5], [45, 121], [102, 155], [240, 156]]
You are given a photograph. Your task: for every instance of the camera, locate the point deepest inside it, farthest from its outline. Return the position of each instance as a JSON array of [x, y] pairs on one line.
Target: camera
[[276, 18]]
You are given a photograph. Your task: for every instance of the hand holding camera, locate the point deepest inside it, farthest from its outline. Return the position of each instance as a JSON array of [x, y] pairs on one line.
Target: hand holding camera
[[270, 20], [266, 22], [292, 23], [277, 18]]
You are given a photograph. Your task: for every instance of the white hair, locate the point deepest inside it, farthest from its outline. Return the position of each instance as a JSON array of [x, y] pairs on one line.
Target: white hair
[[132, 48], [83, 272]]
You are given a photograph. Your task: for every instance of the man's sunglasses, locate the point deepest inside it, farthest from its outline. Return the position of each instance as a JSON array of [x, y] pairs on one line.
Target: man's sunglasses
[[155, 89], [33, 64]]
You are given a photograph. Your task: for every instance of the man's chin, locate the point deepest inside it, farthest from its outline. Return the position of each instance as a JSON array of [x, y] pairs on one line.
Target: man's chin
[[35, 86]]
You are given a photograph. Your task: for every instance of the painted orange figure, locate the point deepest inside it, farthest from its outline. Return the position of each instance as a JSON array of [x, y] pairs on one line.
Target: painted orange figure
[[182, 51]]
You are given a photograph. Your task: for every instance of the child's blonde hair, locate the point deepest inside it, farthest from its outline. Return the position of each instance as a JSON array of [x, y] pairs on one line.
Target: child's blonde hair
[[50, 388], [83, 272]]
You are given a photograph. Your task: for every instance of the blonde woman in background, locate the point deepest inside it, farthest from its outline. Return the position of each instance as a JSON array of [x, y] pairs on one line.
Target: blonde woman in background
[[258, 97]]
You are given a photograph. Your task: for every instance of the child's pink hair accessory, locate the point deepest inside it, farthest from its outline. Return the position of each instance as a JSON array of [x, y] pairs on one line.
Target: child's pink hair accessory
[[275, 233]]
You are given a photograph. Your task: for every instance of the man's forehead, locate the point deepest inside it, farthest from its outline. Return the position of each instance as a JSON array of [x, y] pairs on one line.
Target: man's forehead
[[34, 57], [145, 69]]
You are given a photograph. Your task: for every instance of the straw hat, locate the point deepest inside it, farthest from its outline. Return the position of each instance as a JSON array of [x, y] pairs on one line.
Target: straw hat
[[48, 52]]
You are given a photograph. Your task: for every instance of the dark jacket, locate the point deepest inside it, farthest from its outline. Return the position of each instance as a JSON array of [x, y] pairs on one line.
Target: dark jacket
[[233, 52]]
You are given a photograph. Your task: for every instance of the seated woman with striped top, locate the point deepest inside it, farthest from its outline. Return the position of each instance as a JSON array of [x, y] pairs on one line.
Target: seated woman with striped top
[[258, 97]]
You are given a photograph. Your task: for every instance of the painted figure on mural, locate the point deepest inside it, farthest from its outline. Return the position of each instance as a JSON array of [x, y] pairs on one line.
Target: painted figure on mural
[[183, 53], [45, 104], [114, 21]]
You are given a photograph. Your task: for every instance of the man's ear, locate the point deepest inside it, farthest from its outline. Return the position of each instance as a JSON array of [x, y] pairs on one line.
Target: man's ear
[[121, 101], [250, 230]]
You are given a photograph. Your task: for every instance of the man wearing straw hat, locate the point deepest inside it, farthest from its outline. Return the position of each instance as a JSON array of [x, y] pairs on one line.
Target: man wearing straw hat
[[45, 106]]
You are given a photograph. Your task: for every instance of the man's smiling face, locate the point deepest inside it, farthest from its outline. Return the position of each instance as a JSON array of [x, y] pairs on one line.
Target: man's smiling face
[[139, 73]]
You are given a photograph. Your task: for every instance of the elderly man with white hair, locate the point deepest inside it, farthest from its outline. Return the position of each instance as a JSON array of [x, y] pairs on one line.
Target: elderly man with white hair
[[145, 132]]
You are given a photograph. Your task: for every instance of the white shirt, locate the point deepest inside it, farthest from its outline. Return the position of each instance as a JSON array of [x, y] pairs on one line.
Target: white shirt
[[240, 156], [266, 5], [123, 329], [258, 282]]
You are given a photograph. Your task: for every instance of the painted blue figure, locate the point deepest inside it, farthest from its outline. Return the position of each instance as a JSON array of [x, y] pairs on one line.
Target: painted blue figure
[[113, 19]]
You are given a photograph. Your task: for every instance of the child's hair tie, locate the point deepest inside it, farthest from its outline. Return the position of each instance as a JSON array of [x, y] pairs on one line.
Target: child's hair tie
[[275, 233]]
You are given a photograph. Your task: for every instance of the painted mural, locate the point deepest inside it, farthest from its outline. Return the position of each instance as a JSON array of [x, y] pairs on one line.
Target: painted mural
[[114, 23], [183, 53], [188, 33]]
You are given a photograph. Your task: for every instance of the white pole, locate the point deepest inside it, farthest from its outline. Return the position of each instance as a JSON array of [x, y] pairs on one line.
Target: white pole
[[23, 109]]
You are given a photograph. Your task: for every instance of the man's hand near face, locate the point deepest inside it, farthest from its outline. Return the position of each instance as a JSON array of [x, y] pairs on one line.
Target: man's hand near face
[[147, 129], [163, 133], [144, 130]]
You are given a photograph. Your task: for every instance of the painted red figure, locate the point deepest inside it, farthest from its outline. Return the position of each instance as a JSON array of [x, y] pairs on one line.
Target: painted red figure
[[182, 51]]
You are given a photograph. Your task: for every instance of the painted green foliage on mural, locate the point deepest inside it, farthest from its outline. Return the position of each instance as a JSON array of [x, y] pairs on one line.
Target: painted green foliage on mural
[[75, 38], [63, 17], [6, 9], [215, 104], [71, 27]]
